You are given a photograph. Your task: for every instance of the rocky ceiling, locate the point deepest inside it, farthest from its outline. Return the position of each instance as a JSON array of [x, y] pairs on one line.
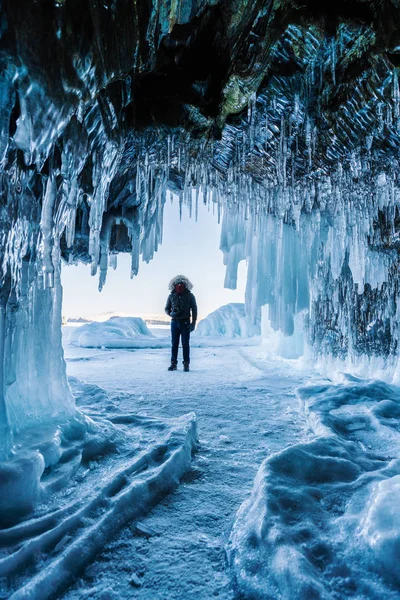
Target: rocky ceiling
[[113, 97], [193, 64]]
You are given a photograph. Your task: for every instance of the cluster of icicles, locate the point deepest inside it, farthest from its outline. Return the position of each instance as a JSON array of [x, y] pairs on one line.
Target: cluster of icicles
[[345, 203], [303, 215], [271, 163]]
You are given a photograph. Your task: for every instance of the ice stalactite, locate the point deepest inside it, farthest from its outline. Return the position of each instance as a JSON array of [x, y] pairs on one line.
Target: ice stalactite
[[34, 385], [339, 264], [5, 430]]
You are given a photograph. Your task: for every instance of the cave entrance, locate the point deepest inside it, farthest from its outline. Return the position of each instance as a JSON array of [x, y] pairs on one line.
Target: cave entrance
[[189, 246]]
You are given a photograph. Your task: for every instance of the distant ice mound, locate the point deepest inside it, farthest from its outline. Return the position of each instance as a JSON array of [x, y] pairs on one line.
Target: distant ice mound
[[228, 321], [117, 332]]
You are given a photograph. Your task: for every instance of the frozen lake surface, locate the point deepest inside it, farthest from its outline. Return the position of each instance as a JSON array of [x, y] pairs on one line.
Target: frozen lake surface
[[249, 477], [246, 408]]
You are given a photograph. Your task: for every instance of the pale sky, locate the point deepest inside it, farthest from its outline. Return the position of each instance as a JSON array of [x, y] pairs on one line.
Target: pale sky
[[188, 248]]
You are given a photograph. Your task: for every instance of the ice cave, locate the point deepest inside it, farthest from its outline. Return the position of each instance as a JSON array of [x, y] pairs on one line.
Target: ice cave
[[271, 470]]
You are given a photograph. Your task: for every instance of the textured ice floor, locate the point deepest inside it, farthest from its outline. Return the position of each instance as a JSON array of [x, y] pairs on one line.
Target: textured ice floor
[[293, 492], [245, 410], [323, 517]]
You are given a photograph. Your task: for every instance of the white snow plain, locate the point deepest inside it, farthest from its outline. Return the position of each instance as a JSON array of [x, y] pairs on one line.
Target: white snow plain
[[322, 520]]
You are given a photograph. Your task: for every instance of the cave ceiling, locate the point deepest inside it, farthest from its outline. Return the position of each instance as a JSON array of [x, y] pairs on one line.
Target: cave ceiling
[[119, 99]]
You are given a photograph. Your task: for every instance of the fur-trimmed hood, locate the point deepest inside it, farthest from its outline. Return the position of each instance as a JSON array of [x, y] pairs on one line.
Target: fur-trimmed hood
[[177, 279]]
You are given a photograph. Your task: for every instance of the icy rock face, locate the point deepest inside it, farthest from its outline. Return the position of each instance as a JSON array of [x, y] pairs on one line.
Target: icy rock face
[[319, 225], [282, 111], [229, 321], [326, 267]]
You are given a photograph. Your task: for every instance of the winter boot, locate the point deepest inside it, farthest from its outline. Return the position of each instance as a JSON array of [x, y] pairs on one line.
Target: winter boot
[[173, 366], [186, 367]]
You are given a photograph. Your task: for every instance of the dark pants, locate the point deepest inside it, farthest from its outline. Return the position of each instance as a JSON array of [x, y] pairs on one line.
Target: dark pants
[[180, 329]]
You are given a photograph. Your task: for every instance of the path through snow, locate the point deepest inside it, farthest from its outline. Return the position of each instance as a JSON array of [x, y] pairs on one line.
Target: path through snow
[[246, 409]]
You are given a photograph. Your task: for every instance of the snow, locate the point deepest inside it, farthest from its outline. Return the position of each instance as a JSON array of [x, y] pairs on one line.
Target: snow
[[228, 321], [320, 521], [381, 527], [108, 473], [133, 333], [116, 332], [323, 514], [184, 555]]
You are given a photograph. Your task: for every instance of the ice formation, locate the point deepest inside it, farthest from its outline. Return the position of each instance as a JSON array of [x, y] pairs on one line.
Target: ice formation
[[108, 473], [228, 321], [285, 115], [322, 518], [117, 332]]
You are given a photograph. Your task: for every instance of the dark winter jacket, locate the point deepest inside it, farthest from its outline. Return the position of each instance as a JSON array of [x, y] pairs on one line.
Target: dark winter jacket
[[179, 306]]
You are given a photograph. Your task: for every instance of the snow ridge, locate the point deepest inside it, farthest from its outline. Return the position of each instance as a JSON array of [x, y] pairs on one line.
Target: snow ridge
[[228, 321], [145, 458], [322, 520]]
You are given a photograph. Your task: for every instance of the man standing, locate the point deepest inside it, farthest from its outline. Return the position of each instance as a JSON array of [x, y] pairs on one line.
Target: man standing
[[182, 308]]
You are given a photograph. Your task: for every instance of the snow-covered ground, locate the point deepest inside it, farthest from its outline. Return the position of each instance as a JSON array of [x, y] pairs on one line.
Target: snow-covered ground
[[294, 478], [244, 412], [323, 519]]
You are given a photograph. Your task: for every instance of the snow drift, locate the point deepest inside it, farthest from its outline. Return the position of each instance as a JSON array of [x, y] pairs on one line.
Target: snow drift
[[116, 470], [323, 514], [117, 332], [226, 326], [228, 321]]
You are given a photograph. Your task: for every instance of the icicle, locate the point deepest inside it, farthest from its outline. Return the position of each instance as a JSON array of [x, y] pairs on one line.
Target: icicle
[[135, 254], [396, 99], [113, 261], [281, 162], [46, 228], [252, 114], [266, 131], [138, 182], [196, 213], [333, 61], [379, 111]]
